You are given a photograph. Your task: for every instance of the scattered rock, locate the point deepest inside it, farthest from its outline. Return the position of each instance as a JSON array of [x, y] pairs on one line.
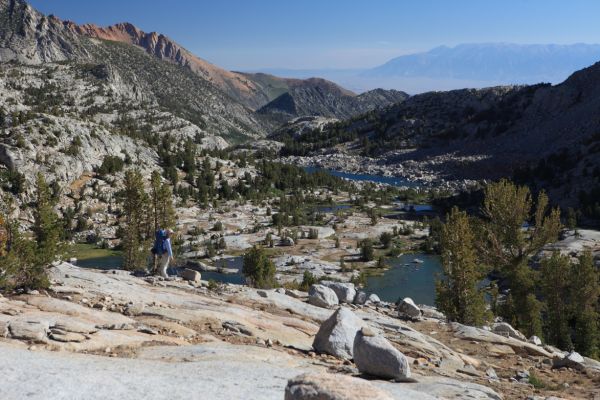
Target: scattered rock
[[287, 241], [470, 370], [336, 335], [297, 294], [191, 275], [236, 327], [75, 327], [504, 329], [373, 298], [116, 327], [346, 292], [322, 296], [571, 360], [432, 312], [408, 308], [134, 309], [332, 387], [360, 298], [374, 355], [535, 340], [66, 337], [491, 374], [147, 330], [499, 350], [4, 329], [522, 376], [36, 331]]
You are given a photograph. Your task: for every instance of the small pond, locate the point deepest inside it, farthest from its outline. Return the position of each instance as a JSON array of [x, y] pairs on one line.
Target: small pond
[[104, 262], [407, 278], [333, 208], [389, 180], [230, 263]]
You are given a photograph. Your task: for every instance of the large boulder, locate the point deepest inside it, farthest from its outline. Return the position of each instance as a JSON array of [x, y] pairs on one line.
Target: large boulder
[[36, 331], [336, 335], [535, 340], [345, 291], [373, 298], [571, 360], [360, 298], [332, 387], [432, 312], [191, 275], [322, 296], [408, 308], [504, 329], [287, 241], [374, 355]]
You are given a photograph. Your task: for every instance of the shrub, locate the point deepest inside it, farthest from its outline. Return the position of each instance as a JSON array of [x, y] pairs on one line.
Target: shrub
[[259, 270], [367, 251], [111, 165]]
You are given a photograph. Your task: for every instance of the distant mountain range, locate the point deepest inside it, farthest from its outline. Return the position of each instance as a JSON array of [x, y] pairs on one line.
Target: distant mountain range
[[466, 65]]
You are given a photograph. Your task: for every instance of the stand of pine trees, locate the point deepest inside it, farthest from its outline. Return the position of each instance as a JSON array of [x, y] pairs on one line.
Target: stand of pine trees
[[24, 261], [559, 301], [142, 214]]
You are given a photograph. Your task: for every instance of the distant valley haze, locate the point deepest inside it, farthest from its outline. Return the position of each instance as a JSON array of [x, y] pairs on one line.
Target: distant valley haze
[[462, 66], [409, 46]]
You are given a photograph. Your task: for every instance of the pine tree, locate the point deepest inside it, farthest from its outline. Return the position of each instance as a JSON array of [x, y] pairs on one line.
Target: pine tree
[[135, 207], [457, 293], [367, 251], [162, 210], [585, 294], [259, 270], [46, 227], [556, 291], [23, 262], [506, 246]]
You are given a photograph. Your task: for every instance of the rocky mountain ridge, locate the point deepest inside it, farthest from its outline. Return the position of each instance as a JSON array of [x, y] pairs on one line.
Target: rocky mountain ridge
[[500, 63], [319, 98], [543, 135]]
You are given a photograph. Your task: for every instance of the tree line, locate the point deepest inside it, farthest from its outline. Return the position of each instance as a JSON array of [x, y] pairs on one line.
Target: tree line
[[556, 298]]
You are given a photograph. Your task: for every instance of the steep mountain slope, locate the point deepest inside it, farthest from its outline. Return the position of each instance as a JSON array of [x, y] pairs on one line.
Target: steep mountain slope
[[30, 37], [493, 62], [318, 97], [236, 85]]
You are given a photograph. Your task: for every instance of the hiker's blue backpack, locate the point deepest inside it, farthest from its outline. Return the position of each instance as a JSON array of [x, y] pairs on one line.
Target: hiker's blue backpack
[[160, 242]]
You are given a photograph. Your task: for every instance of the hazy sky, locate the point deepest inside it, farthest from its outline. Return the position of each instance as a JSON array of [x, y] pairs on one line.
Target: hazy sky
[[247, 34]]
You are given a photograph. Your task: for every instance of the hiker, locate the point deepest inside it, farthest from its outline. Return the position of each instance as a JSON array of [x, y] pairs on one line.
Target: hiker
[[162, 251]]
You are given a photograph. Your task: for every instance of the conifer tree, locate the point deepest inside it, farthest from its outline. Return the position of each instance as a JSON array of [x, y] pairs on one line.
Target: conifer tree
[[585, 295], [259, 270], [556, 291], [161, 195], [457, 293], [46, 228], [506, 245], [135, 207]]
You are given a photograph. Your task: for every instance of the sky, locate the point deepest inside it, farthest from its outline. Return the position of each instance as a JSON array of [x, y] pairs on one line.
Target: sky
[[337, 34]]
